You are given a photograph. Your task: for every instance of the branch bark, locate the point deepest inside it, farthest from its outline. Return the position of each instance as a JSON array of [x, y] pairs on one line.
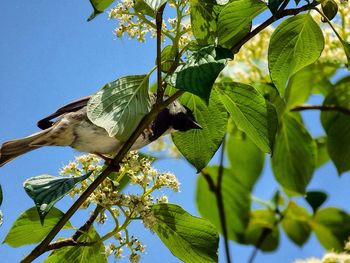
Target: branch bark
[[336, 108]]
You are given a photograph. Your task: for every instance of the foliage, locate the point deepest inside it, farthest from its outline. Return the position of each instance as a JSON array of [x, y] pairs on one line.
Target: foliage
[[244, 83]]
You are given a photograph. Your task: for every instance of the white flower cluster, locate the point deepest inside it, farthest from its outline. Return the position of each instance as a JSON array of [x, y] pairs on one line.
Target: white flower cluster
[[250, 63], [330, 257], [136, 24], [123, 207]]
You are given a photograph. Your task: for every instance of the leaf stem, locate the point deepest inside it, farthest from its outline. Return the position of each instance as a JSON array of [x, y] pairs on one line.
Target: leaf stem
[[330, 107], [329, 23]]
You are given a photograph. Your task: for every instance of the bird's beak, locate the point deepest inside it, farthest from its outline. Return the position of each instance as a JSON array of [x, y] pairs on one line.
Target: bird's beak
[[195, 125]]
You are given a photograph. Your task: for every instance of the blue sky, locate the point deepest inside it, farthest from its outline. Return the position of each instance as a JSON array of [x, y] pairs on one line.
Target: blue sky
[[50, 56]]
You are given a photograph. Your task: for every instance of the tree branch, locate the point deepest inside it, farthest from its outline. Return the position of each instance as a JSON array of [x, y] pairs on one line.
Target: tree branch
[[159, 23], [336, 108], [282, 13]]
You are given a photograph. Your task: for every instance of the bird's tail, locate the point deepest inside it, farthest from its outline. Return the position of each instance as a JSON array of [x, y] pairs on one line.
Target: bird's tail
[[12, 149]]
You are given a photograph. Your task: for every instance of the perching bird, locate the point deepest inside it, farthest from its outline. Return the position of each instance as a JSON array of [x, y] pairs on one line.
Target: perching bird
[[73, 128]]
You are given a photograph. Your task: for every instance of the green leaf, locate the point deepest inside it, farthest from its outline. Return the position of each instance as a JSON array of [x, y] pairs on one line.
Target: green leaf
[[203, 20], [294, 156], [296, 223], [168, 55], [236, 17], [332, 228], [203, 66], [191, 239], [274, 5], [329, 8], [99, 6], [199, 146], [262, 221], [142, 7], [27, 228], [95, 253], [313, 77], [297, 42], [322, 153], [155, 4], [251, 112], [236, 198], [337, 126], [46, 190], [315, 199], [120, 105], [245, 158], [346, 46]]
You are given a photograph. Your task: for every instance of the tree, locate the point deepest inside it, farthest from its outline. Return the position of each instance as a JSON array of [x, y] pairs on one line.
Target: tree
[[216, 66]]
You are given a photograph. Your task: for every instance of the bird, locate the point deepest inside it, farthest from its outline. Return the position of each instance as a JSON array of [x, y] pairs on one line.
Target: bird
[[70, 126]]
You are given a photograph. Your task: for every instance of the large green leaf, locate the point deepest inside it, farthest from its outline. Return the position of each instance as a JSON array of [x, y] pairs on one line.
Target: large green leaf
[[332, 228], [46, 190], [251, 112], [203, 66], [236, 198], [236, 17], [27, 229], [296, 43], [120, 105], [337, 126], [294, 156], [99, 6], [245, 158], [314, 77], [95, 253], [203, 20], [263, 222], [199, 146], [191, 239], [296, 223]]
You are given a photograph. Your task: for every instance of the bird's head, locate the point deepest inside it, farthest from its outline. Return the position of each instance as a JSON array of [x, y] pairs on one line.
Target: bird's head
[[182, 118]]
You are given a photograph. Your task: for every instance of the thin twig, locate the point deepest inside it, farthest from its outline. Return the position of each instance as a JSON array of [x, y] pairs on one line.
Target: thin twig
[[264, 234], [159, 23], [322, 108], [220, 202], [269, 21]]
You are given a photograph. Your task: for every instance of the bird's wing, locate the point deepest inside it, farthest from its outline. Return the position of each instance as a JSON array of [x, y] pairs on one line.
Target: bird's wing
[[76, 105]]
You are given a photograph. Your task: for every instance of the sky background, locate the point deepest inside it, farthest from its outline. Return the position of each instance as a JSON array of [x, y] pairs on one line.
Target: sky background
[[50, 56]]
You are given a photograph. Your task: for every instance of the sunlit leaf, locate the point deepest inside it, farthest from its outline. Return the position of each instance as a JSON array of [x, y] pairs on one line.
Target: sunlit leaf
[[203, 66], [337, 126], [296, 223], [203, 20], [27, 229], [199, 146], [236, 17], [263, 222], [99, 6], [332, 228], [94, 253], [296, 42], [191, 239], [236, 198], [294, 158], [246, 159], [120, 105], [46, 190], [251, 112]]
